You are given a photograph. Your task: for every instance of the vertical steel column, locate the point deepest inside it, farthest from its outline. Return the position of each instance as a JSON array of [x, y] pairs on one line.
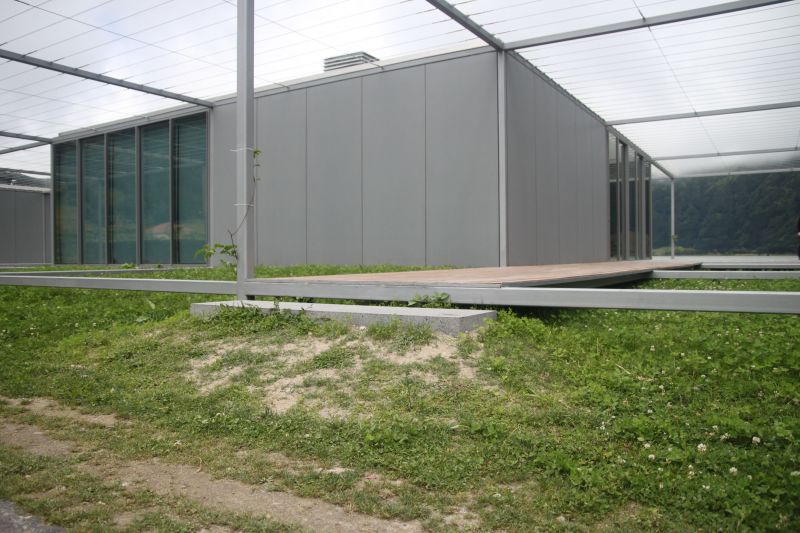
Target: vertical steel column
[[672, 217], [53, 179], [502, 169], [108, 215], [245, 110], [173, 196]]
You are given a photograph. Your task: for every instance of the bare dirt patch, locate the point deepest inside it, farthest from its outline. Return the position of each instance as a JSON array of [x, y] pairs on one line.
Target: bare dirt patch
[[47, 407], [127, 518], [285, 393], [192, 483], [33, 440], [443, 346]]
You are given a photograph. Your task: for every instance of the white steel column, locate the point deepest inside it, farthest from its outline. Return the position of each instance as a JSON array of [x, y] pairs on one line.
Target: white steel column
[[672, 217], [502, 170], [245, 111]]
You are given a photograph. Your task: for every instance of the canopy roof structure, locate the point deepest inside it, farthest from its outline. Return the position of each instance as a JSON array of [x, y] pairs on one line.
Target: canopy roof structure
[[704, 87]]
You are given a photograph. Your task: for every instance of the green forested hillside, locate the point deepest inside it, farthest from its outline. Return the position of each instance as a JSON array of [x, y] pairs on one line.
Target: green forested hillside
[[753, 213]]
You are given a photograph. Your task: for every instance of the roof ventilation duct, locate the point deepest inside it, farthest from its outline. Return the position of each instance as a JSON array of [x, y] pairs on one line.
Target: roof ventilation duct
[[348, 60]]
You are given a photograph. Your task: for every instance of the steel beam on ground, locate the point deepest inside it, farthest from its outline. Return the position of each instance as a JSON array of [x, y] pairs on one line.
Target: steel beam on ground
[[723, 154], [468, 24], [64, 69], [123, 284], [644, 22], [725, 274], [24, 137], [709, 113], [245, 149], [23, 147], [733, 301], [725, 301]]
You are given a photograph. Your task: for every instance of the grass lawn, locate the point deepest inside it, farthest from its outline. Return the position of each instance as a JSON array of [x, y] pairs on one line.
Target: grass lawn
[[547, 420]]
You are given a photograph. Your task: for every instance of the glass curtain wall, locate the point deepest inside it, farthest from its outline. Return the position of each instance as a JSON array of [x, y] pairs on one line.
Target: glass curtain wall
[[633, 182], [156, 194], [133, 195], [189, 152], [630, 209], [614, 212], [122, 184], [93, 200], [65, 203]]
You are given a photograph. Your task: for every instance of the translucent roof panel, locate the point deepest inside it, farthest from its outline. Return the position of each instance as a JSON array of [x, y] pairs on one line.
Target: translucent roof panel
[[710, 166], [758, 130], [516, 20], [37, 159], [189, 46], [740, 59]]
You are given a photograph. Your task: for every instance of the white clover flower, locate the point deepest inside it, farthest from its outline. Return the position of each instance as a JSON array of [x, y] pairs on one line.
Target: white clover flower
[[733, 470], [649, 411], [756, 440], [651, 457], [724, 437], [701, 447], [796, 473], [652, 348], [647, 444], [715, 428], [706, 487]]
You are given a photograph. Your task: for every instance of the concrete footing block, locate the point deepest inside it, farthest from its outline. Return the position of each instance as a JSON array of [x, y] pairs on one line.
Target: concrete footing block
[[450, 321]]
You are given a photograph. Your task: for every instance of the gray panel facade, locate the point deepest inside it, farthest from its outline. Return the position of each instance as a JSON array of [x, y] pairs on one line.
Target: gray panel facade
[[281, 179], [557, 174], [462, 162], [24, 219], [394, 168], [333, 154]]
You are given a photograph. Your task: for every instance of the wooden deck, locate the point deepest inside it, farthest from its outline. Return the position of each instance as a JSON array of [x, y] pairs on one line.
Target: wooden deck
[[518, 276]]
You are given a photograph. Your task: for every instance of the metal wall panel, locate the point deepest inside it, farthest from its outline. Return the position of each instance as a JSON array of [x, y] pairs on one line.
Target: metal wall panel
[[334, 173], [281, 187], [394, 167], [521, 149], [24, 219], [546, 168], [222, 181], [8, 227], [461, 162], [29, 233], [567, 181], [564, 151]]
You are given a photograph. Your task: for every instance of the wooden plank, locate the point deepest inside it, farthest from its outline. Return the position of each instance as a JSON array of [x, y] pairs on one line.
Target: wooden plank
[[517, 276]]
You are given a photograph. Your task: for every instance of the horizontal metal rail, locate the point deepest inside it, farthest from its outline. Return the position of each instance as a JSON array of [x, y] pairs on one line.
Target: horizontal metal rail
[[124, 284], [674, 300], [669, 300], [725, 274], [24, 136], [709, 113], [84, 273], [102, 78], [754, 265], [22, 147]]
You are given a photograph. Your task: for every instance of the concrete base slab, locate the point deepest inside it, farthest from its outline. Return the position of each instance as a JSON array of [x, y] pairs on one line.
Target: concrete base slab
[[450, 321]]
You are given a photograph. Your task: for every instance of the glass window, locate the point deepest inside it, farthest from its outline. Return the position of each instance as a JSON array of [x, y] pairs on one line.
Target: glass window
[[613, 196], [93, 200], [156, 196], [633, 235], [648, 209], [189, 145], [65, 198], [122, 181]]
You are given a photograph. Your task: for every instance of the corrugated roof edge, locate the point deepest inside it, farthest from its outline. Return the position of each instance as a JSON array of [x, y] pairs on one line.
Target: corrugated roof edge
[[444, 54]]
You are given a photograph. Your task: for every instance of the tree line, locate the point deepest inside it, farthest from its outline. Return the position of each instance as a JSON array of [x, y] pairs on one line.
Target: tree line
[[747, 213]]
